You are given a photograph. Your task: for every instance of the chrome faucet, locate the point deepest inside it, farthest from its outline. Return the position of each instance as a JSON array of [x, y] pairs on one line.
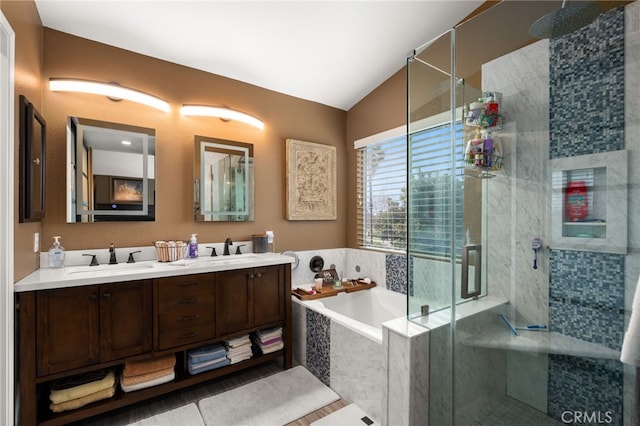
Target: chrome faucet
[[112, 254], [227, 243]]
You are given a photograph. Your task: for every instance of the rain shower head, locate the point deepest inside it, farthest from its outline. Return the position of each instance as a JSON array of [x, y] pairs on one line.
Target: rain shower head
[[565, 20]]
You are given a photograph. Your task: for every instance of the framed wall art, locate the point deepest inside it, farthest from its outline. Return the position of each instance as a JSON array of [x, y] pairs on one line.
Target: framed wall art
[[311, 181]]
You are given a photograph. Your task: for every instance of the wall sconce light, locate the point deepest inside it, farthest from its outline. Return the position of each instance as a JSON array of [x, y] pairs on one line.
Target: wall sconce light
[[223, 114], [111, 90]]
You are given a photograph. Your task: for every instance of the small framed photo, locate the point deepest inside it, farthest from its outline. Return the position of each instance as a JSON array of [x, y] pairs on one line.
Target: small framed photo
[[126, 190]]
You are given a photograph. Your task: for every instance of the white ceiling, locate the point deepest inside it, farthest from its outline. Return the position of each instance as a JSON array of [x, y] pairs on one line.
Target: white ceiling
[[331, 52]]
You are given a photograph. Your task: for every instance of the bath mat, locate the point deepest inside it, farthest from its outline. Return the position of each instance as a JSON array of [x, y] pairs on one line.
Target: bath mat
[[189, 415], [272, 401], [351, 415]]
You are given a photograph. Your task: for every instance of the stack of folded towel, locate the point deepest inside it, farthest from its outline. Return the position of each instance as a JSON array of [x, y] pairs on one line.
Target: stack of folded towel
[[238, 349], [77, 391], [207, 358], [138, 375], [269, 340]]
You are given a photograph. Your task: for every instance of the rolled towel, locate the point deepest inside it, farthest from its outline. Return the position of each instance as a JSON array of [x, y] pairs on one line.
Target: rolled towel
[[630, 353], [134, 380], [84, 400], [69, 394], [135, 368]]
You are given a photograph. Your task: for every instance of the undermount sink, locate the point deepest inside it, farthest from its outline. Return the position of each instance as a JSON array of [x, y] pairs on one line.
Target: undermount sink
[[233, 258], [106, 268]]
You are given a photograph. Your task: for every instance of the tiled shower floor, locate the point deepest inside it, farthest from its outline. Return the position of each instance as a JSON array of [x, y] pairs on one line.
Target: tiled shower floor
[[509, 412]]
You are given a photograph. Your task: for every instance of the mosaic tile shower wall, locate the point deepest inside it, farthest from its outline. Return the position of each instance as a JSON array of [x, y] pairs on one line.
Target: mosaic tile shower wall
[[396, 266], [586, 72], [319, 345], [586, 289]]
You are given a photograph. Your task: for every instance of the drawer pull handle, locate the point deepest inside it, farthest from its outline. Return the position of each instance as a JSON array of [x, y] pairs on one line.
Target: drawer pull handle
[[93, 296], [188, 336], [187, 284], [188, 301], [258, 275], [189, 317]]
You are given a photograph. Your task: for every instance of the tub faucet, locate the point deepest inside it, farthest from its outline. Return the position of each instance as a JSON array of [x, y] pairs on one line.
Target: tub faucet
[[112, 254], [227, 243]]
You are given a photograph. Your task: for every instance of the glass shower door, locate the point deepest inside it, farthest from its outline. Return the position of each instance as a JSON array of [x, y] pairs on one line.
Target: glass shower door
[[541, 341]]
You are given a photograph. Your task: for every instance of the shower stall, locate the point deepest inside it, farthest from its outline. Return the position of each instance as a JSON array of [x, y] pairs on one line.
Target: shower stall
[[523, 245]]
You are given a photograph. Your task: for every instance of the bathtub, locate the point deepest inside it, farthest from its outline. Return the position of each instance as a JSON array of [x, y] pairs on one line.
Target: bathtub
[[363, 311], [339, 339]]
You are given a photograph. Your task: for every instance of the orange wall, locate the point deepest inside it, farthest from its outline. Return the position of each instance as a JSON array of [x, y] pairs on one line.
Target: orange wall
[[284, 116], [25, 21], [43, 53], [383, 109]]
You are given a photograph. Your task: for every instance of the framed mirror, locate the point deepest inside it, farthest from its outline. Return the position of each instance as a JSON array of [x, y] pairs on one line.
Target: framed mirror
[[223, 180], [110, 172], [32, 162]]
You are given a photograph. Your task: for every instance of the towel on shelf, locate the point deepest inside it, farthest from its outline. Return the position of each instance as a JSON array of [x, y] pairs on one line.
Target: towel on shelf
[[630, 353], [207, 365], [141, 378], [150, 383], [268, 340], [270, 348], [58, 396], [238, 341], [207, 353], [271, 341], [78, 379], [240, 355], [135, 368], [239, 349], [84, 400], [269, 333]]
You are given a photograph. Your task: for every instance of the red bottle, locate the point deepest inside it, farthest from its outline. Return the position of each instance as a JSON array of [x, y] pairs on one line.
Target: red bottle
[[576, 201]]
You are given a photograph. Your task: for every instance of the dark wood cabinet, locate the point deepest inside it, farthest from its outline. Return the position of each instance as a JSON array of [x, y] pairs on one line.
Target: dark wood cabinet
[[85, 328], [185, 310], [249, 298], [67, 329], [125, 320]]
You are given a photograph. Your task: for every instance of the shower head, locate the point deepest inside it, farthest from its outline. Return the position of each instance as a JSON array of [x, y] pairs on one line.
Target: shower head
[[565, 20]]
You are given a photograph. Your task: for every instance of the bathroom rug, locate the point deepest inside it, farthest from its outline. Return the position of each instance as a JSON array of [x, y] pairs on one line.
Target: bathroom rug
[[272, 401], [186, 415]]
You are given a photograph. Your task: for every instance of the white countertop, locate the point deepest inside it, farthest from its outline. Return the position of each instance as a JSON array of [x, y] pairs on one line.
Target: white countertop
[[74, 276]]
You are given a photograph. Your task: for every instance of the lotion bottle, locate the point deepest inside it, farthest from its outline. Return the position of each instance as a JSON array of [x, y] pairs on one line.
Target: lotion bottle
[[56, 254], [193, 247]]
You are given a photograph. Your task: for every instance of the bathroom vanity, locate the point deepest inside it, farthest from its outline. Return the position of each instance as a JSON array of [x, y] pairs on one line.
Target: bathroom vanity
[[73, 321]]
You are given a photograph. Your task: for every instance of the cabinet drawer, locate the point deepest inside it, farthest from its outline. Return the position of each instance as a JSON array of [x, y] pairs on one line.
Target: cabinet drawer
[[184, 290], [185, 315], [185, 336]]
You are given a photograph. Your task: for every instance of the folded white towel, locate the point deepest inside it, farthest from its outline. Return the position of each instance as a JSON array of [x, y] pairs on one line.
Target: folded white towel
[[630, 353]]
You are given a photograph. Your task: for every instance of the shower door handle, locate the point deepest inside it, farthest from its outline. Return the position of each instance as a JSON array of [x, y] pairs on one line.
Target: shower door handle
[[466, 255]]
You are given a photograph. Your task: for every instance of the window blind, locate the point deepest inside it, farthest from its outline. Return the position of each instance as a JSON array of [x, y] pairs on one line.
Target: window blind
[[383, 206]]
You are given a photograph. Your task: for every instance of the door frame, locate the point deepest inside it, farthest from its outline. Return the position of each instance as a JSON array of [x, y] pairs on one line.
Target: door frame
[[7, 323]]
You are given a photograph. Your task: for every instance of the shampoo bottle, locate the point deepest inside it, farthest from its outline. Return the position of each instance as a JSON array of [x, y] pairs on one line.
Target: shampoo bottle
[[56, 254], [193, 247]]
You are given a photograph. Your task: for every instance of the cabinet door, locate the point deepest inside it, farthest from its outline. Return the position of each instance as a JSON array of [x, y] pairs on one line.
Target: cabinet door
[[67, 329], [234, 301], [268, 290], [125, 319]]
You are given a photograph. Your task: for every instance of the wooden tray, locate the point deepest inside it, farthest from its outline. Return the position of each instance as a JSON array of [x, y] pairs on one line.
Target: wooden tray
[[328, 290]]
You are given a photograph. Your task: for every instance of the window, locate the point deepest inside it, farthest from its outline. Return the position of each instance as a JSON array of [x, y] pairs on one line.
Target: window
[[382, 191]]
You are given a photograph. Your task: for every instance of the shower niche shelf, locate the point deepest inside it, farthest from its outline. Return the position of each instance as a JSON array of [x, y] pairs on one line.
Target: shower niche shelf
[[589, 202]]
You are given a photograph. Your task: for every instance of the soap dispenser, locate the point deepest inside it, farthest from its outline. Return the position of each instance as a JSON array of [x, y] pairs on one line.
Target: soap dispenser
[[56, 254], [193, 246]]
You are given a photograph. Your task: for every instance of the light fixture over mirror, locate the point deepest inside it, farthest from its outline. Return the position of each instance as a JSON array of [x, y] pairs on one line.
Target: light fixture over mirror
[[223, 114], [110, 172], [223, 180], [110, 90]]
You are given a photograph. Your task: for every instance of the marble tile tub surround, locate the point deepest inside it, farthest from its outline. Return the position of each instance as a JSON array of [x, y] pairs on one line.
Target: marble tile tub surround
[[350, 263]]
